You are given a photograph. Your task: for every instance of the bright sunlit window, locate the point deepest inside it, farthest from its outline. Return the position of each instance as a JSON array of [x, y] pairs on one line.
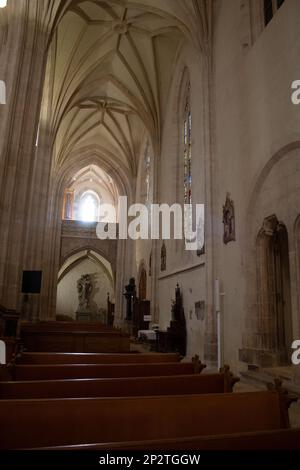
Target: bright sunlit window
[[88, 208], [3, 3]]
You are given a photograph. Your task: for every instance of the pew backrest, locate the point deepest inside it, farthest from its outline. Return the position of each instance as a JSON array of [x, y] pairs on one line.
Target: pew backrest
[[90, 358], [116, 387], [76, 341], [28, 327], [44, 423], [282, 439], [80, 371]]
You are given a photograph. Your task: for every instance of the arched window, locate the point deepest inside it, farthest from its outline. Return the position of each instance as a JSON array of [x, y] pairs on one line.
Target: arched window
[[146, 174], [89, 207], [187, 149], [147, 166], [187, 160]]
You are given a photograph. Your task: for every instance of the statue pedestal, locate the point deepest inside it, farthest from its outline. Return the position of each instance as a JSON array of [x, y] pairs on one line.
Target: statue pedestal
[[83, 316]]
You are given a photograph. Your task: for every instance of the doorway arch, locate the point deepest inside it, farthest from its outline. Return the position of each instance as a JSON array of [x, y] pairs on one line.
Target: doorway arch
[[274, 290], [85, 262]]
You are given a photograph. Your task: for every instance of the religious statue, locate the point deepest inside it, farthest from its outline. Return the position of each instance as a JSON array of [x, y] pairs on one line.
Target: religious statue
[[228, 220], [175, 338], [84, 288], [130, 296]]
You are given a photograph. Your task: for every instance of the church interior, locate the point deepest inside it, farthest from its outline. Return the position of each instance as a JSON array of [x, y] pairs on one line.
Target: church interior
[[111, 110]]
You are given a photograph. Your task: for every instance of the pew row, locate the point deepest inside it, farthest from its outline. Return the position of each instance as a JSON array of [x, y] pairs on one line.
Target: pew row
[[77, 358], [120, 387], [75, 341], [66, 327], [282, 439], [73, 337], [65, 422], [86, 371]]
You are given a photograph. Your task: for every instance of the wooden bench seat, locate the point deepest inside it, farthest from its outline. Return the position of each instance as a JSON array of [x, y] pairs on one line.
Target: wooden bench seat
[[282, 439], [119, 387], [81, 371], [73, 337], [65, 326], [77, 358], [65, 422], [75, 341]]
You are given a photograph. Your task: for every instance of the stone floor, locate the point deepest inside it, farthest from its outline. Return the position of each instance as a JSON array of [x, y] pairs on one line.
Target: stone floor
[[257, 380], [294, 411], [252, 381]]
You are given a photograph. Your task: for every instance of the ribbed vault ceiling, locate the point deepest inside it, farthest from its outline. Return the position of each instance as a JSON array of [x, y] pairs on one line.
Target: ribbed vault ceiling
[[109, 71], [99, 178]]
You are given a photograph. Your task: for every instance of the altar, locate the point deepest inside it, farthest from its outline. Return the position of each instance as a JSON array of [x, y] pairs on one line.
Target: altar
[[148, 335]]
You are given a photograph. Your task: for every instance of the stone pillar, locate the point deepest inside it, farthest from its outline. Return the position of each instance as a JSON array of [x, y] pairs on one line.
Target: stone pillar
[[24, 173], [155, 257], [212, 211]]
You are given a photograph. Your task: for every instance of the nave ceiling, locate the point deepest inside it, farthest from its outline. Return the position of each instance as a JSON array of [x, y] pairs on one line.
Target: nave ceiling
[[109, 71]]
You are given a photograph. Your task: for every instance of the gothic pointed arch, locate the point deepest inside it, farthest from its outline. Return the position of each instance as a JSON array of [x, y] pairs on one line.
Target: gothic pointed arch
[[273, 290]]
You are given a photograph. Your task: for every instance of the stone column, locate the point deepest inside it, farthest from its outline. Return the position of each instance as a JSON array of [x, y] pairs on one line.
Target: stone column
[[155, 257], [24, 174]]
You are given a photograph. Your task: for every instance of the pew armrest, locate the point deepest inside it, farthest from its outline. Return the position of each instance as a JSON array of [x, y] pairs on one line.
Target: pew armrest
[[198, 365], [285, 399], [229, 379]]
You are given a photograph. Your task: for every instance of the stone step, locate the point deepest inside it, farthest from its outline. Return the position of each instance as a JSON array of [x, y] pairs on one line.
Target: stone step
[[284, 373], [256, 378], [262, 377]]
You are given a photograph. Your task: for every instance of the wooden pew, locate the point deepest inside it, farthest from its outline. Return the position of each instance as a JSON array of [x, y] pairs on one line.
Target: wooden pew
[[282, 439], [65, 422], [77, 358], [76, 341], [81, 371], [120, 387], [65, 326], [73, 337]]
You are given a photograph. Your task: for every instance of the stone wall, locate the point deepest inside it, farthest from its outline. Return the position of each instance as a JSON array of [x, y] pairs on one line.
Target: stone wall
[[256, 128]]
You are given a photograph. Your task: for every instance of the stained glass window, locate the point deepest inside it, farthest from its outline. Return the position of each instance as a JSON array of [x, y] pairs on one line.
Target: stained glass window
[[146, 175], [188, 151], [187, 155], [147, 172]]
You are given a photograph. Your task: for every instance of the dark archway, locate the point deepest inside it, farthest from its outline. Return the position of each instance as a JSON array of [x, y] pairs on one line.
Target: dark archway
[[274, 295]]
